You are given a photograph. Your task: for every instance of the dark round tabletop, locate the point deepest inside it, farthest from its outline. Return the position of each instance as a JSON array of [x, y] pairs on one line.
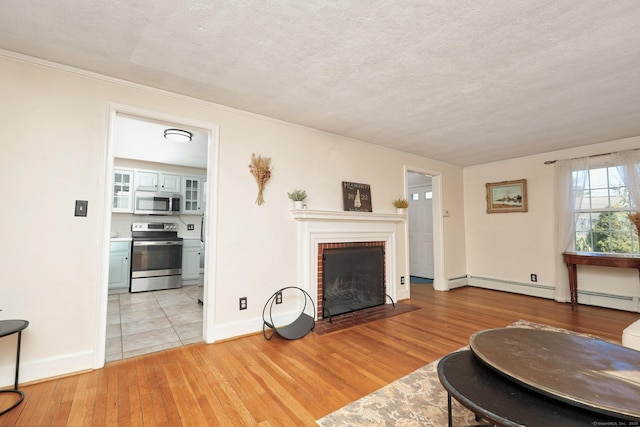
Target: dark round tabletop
[[8, 327], [496, 398], [582, 371]]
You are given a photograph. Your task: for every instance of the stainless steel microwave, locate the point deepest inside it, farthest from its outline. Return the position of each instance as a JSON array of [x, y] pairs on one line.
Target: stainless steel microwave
[[150, 203]]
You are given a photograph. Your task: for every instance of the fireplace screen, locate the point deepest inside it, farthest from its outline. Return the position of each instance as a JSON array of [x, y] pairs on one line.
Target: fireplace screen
[[352, 279]]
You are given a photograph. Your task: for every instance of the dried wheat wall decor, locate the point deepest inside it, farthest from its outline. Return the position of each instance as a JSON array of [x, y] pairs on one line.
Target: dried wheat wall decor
[[260, 168]]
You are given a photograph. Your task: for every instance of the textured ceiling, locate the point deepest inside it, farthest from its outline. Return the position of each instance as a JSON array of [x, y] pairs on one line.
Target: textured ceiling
[[465, 82]]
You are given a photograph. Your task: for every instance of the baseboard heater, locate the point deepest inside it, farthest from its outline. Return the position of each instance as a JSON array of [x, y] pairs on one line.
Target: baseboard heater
[[532, 289], [600, 299]]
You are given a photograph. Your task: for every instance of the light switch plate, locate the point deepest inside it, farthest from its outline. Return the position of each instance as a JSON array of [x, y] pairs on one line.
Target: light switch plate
[[81, 207]]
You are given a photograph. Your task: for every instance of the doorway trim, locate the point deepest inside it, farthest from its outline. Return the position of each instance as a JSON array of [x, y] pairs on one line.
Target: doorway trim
[[439, 281], [210, 220]]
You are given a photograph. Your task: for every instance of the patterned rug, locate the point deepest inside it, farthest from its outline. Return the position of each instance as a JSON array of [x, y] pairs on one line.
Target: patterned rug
[[415, 400]]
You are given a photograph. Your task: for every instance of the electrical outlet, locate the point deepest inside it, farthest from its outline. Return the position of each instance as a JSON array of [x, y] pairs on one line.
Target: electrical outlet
[[243, 303], [534, 277], [190, 227], [402, 280], [279, 298]]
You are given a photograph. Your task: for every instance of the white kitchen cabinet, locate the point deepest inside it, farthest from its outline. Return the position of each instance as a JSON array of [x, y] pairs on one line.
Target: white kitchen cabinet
[[192, 195], [146, 181], [170, 183], [122, 191], [190, 260], [119, 266], [157, 181]]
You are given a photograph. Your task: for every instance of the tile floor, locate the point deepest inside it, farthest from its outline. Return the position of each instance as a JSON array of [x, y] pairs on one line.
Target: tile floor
[[147, 322]]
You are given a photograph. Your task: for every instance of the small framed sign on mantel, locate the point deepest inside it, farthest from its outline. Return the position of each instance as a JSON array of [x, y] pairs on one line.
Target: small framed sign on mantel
[[356, 197]]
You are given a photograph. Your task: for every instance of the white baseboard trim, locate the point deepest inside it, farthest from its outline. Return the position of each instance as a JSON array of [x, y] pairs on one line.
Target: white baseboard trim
[[598, 299], [618, 302], [531, 289], [37, 370], [236, 329], [457, 282]]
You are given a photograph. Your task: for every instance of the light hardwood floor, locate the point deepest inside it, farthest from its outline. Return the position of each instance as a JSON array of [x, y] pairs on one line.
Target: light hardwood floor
[[251, 381]]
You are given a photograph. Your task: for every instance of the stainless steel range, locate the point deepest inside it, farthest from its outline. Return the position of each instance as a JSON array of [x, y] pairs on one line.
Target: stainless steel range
[[156, 261]]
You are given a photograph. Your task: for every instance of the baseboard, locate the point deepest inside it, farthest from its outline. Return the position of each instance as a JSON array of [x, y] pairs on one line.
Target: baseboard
[[598, 299], [618, 302], [531, 289], [457, 282], [39, 370]]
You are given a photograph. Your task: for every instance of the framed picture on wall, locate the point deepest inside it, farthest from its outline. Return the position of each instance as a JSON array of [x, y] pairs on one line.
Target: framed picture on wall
[[507, 196], [356, 197]]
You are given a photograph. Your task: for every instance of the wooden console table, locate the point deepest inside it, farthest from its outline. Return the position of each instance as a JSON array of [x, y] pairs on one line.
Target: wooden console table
[[573, 259]]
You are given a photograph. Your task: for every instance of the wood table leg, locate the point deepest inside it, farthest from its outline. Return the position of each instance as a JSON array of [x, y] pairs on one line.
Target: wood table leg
[[573, 284]]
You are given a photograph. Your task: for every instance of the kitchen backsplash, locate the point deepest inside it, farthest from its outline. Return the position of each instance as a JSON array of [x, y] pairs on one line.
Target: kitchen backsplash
[[121, 224]]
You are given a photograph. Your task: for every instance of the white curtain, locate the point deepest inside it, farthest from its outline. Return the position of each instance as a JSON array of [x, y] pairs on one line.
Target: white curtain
[[628, 163], [571, 178]]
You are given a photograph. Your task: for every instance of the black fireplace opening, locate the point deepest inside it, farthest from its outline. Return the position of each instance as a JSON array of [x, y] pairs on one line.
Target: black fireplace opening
[[352, 279]]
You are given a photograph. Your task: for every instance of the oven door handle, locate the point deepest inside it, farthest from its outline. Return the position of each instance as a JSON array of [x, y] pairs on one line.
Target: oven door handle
[[155, 243]]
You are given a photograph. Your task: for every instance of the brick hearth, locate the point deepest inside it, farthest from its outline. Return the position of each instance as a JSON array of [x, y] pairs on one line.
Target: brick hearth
[[360, 317]]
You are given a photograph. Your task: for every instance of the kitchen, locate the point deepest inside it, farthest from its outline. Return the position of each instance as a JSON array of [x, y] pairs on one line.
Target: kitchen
[[156, 263]]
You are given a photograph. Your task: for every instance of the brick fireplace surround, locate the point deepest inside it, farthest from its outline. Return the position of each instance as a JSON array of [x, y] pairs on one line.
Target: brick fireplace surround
[[321, 248], [322, 229]]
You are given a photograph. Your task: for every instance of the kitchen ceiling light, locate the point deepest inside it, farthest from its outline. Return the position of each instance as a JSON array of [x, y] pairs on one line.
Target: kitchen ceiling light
[[178, 135]]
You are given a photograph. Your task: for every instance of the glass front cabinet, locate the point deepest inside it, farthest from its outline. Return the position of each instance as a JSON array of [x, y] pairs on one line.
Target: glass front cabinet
[[192, 195], [122, 190]]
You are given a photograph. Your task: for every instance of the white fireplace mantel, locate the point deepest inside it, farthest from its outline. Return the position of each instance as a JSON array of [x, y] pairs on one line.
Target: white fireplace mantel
[[315, 227], [345, 216]]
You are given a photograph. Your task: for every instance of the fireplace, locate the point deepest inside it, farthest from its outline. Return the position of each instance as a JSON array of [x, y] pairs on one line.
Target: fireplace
[[351, 277], [318, 230]]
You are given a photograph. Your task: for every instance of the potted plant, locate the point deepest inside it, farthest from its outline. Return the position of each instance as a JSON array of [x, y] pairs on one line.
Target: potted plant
[[298, 197], [401, 205]]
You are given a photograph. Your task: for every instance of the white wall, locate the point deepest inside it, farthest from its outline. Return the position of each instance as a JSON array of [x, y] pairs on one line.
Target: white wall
[[53, 271], [504, 249]]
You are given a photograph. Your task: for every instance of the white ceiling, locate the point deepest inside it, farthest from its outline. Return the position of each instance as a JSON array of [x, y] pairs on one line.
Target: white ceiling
[[465, 82], [143, 139]]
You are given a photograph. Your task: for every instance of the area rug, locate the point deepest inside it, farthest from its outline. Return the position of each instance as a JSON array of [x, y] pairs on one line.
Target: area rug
[[417, 399]]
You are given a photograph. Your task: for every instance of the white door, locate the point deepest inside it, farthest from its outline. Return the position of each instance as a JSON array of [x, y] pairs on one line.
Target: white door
[[420, 232]]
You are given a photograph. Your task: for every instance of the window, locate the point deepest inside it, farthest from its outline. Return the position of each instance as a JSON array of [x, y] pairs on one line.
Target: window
[[415, 196], [602, 222], [428, 195]]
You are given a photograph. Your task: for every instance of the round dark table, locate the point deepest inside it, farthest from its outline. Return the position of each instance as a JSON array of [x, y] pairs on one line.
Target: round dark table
[[10, 327], [590, 373], [503, 402]]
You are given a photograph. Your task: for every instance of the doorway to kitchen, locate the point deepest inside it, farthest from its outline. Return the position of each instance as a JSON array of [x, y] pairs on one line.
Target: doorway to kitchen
[[145, 161]]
